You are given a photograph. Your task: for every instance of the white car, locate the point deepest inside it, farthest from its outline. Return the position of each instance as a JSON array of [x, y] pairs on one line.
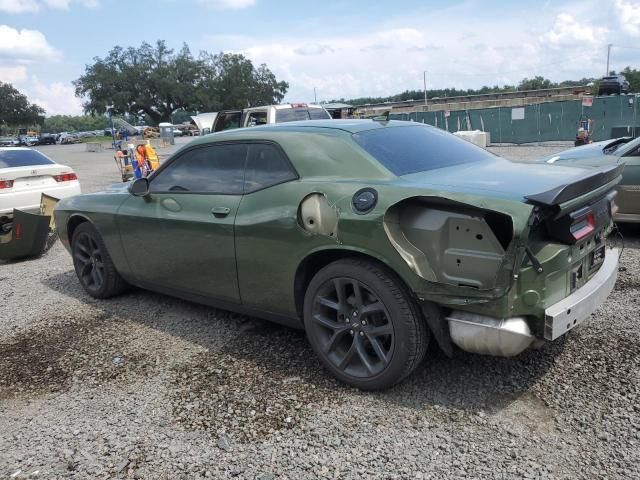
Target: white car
[[25, 174]]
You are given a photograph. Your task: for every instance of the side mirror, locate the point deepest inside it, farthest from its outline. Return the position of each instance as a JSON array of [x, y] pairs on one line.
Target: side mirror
[[139, 187]]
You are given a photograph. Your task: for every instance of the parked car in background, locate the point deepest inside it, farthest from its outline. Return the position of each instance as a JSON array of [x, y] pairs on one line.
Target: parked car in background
[[68, 138], [28, 140], [619, 150], [288, 112], [371, 236], [25, 174], [613, 84], [177, 132], [9, 142], [251, 117], [46, 139]]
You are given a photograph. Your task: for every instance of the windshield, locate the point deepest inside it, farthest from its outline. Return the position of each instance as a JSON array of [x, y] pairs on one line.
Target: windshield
[[416, 148], [22, 158]]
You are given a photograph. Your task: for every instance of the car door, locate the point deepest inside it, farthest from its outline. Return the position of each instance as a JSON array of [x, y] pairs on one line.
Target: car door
[[180, 238], [629, 188], [267, 229]]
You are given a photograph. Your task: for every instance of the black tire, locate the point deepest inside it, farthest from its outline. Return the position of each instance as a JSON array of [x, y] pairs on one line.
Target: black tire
[[93, 264], [363, 324]]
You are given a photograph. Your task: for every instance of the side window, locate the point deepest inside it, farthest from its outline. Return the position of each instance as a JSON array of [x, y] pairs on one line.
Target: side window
[[257, 118], [266, 166], [227, 121], [210, 169]]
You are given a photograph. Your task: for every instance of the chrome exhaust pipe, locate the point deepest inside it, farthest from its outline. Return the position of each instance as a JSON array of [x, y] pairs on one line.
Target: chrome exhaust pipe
[[488, 335]]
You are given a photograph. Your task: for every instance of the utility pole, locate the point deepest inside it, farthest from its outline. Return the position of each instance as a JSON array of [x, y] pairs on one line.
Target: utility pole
[[425, 88], [606, 74], [315, 97]]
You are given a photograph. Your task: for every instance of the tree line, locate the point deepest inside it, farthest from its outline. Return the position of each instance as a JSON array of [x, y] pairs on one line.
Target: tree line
[[535, 83]]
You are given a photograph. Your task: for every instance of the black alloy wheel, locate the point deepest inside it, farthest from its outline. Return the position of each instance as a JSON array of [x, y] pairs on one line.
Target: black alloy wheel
[[88, 261], [352, 327], [93, 264], [364, 324]]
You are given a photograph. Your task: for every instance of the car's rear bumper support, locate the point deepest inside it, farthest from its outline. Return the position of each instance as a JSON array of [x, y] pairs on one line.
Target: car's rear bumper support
[[509, 336], [577, 307]]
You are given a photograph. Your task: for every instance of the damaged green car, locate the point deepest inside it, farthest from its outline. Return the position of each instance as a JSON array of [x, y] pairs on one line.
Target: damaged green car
[[372, 236]]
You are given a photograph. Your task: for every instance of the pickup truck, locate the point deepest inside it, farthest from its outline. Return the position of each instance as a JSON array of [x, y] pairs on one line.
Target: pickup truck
[[251, 117]]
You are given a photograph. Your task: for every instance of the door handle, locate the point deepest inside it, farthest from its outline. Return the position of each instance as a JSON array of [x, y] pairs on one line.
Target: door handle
[[220, 211]]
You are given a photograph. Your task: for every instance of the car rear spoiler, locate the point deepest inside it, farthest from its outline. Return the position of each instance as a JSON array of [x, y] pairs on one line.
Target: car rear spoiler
[[588, 182]]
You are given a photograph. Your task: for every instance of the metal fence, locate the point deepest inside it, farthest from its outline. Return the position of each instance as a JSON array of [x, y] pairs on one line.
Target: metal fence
[[542, 122]]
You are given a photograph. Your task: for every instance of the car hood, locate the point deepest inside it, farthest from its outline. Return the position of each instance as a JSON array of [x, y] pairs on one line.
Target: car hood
[[502, 178]]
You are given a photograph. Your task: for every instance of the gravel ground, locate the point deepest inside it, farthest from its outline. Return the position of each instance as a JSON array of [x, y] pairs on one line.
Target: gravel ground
[[146, 386]]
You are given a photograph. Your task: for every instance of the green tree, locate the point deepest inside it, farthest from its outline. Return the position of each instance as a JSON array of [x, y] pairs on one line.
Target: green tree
[[155, 81], [70, 123], [536, 83], [15, 108], [633, 77]]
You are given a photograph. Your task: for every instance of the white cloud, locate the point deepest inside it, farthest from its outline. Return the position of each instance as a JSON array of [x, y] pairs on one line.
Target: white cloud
[[19, 6], [227, 4], [56, 98], [628, 15], [25, 45], [32, 6], [13, 74], [569, 32], [393, 58]]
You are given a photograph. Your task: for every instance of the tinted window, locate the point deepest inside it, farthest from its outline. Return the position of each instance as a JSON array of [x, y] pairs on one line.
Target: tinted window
[[319, 114], [212, 169], [22, 158], [291, 114], [266, 166], [416, 148]]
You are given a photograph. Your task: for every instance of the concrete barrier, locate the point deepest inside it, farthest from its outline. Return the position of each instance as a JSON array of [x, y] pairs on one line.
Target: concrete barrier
[[481, 139], [93, 147]]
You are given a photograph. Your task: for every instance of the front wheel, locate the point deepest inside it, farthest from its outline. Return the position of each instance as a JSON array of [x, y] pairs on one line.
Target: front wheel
[[93, 264], [363, 324]]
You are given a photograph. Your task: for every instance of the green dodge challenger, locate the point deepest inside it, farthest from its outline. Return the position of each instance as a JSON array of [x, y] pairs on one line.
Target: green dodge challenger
[[371, 236]]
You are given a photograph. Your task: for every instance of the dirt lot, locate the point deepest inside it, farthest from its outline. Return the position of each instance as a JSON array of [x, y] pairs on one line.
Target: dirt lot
[[146, 386]]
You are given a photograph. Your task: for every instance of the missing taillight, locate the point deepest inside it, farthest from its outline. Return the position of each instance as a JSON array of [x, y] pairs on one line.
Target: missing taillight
[[65, 177], [6, 184], [583, 227]]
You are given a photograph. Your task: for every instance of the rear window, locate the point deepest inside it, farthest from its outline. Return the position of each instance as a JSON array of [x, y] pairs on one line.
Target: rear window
[[416, 148], [294, 114], [22, 158], [291, 114], [319, 114]]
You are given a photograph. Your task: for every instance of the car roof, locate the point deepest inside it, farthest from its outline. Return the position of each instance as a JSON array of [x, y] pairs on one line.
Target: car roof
[[338, 126]]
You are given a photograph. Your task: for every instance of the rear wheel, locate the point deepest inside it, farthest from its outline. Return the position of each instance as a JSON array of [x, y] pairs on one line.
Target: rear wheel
[[93, 264], [363, 324]]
